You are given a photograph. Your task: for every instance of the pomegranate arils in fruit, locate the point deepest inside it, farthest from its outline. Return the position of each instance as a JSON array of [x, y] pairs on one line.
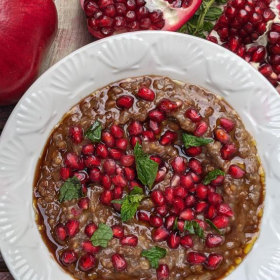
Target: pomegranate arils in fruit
[[187, 214], [156, 115], [60, 232], [72, 161], [193, 115], [146, 94], [213, 261], [65, 173], [213, 240], [119, 262], [201, 128], [156, 221], [118, 231], [228, 151], [179, 165], [68, 257], [221, 221], [108, 139], [84, 203], [173, 240], [167, 106], [224, 209], [158, 197], [193, 151], [125, 101], [135, 128], [90, 229], [162, 272], [117, 131], [102, 151], [159, 234], [76, 133], [236, 172], [168, 138], [195, 258], [87, 262], [222, 136], [129, 240], [227, 124], [106, 197], [89, 248], [72, 227]]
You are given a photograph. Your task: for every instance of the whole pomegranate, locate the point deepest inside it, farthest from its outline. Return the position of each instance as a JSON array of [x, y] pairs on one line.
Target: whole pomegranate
[[27, 28], [108, 17]]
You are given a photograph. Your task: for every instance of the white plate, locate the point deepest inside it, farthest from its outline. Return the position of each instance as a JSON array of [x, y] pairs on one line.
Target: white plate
[[178, 56]]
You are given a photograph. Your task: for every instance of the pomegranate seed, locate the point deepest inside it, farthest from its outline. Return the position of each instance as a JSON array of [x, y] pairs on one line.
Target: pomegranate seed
[[88, 149], [218, 181], [214, 260], [76, 133], [89, 248], [213, 240], [228, 151], [125, 101], [187, 214], [109, 166], [156, 159], [178, 205], [161, 210], [162, 272], [117, 192], [108, 139], [186, 181], [134, 184], [154, 126], [87, 262], [129, 173], [193, 115], [158, 197], [169, 195], [175, 180], [201, 223], [119, 181], [193, 151], [201, 206], [186, 241], [143, 216], [60, 232], [122, 144], [106, 197], [167, 106], [259, 54], [129, 240], [135, 128], [127, 160], [110, 11], [221, 221], [159, 234], [181, 225], [190, 201], [65, 173], [211, 212], [221, 135], [236, 172], [84, 203], [106, 182], [148, 135], [115, 154], [118, 231], [90, 8], [195, 166], [161, 174], [195, 177], [214, 198], [275, 27], [68, 257], [72, 161], [173, 240], [195, 258], [72, 227], [169, 221], [134, 140], [224, 209], [156, 115], [146, 94], [201, 191], [179, 165], [227, 124], [90, 229], [180, 191], [91, 161], [119, 262], [156, 221], [117, 131], [82, 176], [102, 151], [201, 128], [168, 138], [95, 175]]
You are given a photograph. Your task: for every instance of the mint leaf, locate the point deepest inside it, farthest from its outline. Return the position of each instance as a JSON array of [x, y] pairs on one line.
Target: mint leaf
[[94, 133], [210, 223], [193, 141], [130, 203], [102, 236], [193, 227], [146, 168], [154, 255], [212, 175], [70, 189]]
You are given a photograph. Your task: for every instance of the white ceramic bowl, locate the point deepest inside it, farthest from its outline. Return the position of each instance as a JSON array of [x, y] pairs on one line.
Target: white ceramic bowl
[[177, 56]]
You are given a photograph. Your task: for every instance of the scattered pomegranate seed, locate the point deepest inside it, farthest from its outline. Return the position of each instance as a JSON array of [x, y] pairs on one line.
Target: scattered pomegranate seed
[[161, 174], [213, 261], [218, 181], [125, 101], [109, 166], [161, 210], [143, 216], [195, 166], [118, 231], [87, 262], [169, 195], [228, 151], [108, 139], [88, 149], [91, 161], [60, 232], [201, 206], [236, 172], [201, 191], [214, 198], [224, 209], [84, 203], [227, 124], [168, 138], [195, 258], [211, 212], [173, 240], [148, 135], [162, 272], [156, 159], [89, 248], [129, 240], [119, 262], [186, 181], [106, 197], [167, 106], [106, 182], [187, 214], [117, 131], [190, 201], [95, 175], [221, 135], [178, 205], [119, 181], [186, 241], [72, 161], [117, 192], [180, 191], [159, 234], [193, 151], [213, 240], [102, 151], [135, 128], [134, 140], [76, 133], [158, 197], [115, 154], [193, 115], [221, 221], [127, 160], [179, 165], [156, 115], [201, 128], [68, 257], [72, 227], [146, 94], [65, 173], [129, 173], [156, 221], [90, 229], [154, 126], [122, 144]]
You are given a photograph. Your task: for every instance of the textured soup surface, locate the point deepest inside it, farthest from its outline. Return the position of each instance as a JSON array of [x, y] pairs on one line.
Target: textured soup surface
[[232, 201]]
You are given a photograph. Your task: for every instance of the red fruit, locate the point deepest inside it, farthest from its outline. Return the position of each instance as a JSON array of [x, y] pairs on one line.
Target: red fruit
[[181, 225], [161, 210], [173, 240], [82, 176], [186, 241], [117, 131], [115, 154], [89, 248], [156, 221], [106, 197], [195, 258], [200, 206], [156, 115], [146, 94], [106, 182], [127, 160], [72, 161], [117, 192], [193, 151], [167, 106], [259, 54], [95, 175], [119, 181], [143, 216], [213, 240], [154, 126], [211, 212], [214, 198], [193, 115], [236, 172], [20, 62], [76, 133], [201, 128], [148, 135], [88, 149], [168, 138], [134, 140], [122, 144], [162, 272], [90, 229], [109, 166], [169, 221], [129, 173], [201, 191], [84, 203], [179, 165], [108, 139], [195, 177], [214, 260], [92, 161], [65, 173], [87, 262], [169, 195], [118, 231], [175, 180], [158, 197], [119, 262], [159, 234], [190, 201], [180, 192], [135, 128], [178, 205], [60, 232], [218, 181], [187, 214], [221, 135], [224, 209], [129, 240], [68, 257], [228, 151], [195, 166], [186, 181], [161, 174], [221, 221], [72, 227], [227, 124], [125, 101], [102, 151], [156, 159]]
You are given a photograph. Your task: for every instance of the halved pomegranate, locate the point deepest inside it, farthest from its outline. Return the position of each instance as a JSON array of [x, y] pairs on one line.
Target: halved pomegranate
[[108, 17]]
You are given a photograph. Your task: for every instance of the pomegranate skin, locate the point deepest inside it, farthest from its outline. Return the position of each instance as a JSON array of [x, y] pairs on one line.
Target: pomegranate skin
[[23, 21]]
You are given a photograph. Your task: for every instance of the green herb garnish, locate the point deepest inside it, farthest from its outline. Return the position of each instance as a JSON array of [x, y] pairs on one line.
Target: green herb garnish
[[154, 255], [212, 175], [70, 189], [193, 141], [193, 227], [102, 236], [94, 133], [210, 223]]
